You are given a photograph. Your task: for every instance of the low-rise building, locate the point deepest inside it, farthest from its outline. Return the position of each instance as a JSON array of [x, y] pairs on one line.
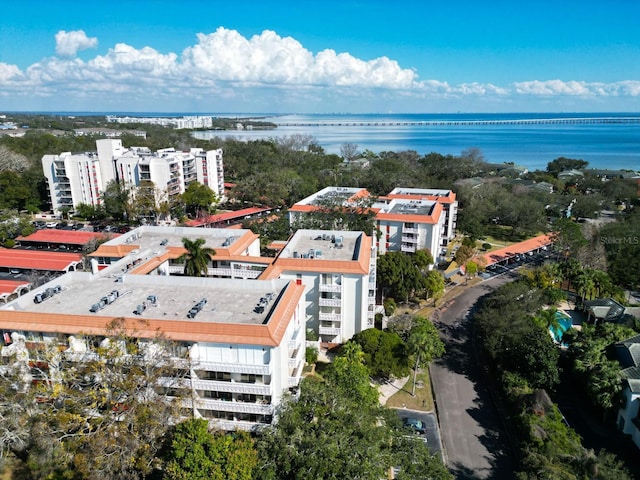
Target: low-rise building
[[241, 343]]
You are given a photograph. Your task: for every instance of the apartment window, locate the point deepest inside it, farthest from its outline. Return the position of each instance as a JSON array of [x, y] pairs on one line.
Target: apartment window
[[226, 396], [217, 376], [248, 378]]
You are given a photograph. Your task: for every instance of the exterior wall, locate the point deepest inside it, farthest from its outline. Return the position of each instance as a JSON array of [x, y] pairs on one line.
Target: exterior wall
[[72, 179], [397, 236], [335, 304], [628, 414]]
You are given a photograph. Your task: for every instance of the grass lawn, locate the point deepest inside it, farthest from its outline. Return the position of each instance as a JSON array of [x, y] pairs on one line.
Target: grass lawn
[[423, 399]]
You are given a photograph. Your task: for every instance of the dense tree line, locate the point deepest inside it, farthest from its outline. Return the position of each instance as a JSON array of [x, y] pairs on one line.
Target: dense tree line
[[512, 327]]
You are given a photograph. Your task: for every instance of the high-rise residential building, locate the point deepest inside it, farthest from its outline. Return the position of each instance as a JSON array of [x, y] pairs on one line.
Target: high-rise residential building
[[82, 177]]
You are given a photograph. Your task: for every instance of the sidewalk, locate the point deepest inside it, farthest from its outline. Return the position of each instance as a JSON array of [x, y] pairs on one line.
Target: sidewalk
[[388, 389]]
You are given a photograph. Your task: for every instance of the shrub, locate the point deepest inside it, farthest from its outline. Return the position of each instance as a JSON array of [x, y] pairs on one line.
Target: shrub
[[486, 246], [311, 355]]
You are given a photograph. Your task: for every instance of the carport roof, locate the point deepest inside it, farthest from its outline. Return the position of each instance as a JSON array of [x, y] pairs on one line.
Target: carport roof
[[37, 260], [67, 237], [516, 249], [10, 286]]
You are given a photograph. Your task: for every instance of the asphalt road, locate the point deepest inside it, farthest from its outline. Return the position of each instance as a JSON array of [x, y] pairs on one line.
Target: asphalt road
[[472, 432]]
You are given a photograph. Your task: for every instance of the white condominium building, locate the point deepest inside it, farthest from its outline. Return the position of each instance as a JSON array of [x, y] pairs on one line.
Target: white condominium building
[[338, 270], [240, 342], [81, 178], [406, 220], [447, 198]]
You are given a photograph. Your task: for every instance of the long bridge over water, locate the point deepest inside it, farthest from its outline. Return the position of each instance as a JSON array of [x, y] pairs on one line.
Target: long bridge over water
[[447, 123]]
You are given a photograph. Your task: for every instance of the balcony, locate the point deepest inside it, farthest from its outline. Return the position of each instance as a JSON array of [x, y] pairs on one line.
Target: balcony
[[330, 317], [409, 239], [333, 287], [409, 230], [331, 331], [408, 248], [233, 273], [295, 339], [233, 406], [330, 302], [298, 356], [294, 382], [231, 425], [233, 367], [371, 300], [232, 387]]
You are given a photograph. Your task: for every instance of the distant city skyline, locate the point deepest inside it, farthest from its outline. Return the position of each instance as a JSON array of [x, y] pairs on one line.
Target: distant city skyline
[[346, 56]]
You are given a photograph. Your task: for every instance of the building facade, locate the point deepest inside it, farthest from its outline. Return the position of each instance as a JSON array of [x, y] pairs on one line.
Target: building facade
[[338, 270], [81, 178], [238, 345]]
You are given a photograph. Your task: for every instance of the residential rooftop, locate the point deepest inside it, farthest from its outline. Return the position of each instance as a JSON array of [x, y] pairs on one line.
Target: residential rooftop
[[323, 245], [229, 312]]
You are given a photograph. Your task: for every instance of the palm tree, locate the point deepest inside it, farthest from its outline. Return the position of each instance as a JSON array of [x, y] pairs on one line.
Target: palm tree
[[425, 344], [196, 259], [548, 318]]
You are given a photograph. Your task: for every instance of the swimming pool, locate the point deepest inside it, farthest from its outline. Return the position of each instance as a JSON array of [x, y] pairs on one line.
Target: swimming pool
[[564, 324]]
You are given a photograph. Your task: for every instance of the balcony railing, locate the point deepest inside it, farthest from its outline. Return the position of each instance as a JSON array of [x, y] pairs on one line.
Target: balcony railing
[[329, 317], [409, 239], [330, 302], [231, 425], [329, 331], [233, 367], [408, 248], [294, 382], [333, 287], [232, 387], [233, 406], [409, 230]]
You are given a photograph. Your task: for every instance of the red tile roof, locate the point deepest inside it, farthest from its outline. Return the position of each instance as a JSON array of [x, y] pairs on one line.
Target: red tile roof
[[227, 216], [68, 237], [10, 286], [516, 249], [37, 260]]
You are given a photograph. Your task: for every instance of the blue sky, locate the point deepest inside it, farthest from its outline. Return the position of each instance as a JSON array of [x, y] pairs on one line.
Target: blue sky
[[320, 56]]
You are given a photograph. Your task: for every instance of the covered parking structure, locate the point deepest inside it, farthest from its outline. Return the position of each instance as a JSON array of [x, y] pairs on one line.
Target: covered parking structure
[[19, 261], [70, 240], [505, 255], [10, 289]]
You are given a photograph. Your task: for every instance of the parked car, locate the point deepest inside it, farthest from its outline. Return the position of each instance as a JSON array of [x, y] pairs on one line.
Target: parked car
[[416, 425], [52, 224], [77, 226]]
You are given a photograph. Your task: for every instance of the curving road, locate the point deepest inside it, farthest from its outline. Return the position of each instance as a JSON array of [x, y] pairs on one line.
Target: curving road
[[472, 430]]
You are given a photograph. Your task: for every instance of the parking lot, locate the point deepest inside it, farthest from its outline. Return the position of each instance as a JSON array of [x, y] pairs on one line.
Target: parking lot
[[534, 259], [432, 435]]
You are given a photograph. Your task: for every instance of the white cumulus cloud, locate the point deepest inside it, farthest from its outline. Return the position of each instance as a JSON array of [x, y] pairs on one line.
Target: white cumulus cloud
[[69, 43], [629, 88]]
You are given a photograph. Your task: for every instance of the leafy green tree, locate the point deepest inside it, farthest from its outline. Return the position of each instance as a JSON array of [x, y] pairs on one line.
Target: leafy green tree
[[399, 277], [434, 285], [349, 375], [197, 454], [92, 414], [384, 353], [561, 164], [117, 200], [197, 257], [424, 344], [199, 198]]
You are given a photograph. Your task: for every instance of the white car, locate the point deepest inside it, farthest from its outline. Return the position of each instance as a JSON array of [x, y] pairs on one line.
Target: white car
[[52, 224]]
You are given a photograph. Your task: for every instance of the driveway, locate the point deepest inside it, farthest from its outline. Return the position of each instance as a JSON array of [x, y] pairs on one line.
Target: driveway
[[472, 432], [430, 421]]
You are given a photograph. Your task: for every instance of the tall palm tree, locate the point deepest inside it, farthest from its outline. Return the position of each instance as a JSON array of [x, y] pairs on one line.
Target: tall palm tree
[[425, 344], [197, 256]]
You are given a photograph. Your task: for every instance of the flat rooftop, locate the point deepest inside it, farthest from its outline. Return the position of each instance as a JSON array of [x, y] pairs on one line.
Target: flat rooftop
[[157, 238], [227, 301], [323, 245], [409, 207]]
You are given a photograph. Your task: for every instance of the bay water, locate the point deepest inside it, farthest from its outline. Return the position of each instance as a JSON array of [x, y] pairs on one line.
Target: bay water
[[499, 137]]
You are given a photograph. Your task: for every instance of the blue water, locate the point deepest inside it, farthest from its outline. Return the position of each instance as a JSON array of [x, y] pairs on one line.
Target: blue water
[[615, 146], [565, 323]]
